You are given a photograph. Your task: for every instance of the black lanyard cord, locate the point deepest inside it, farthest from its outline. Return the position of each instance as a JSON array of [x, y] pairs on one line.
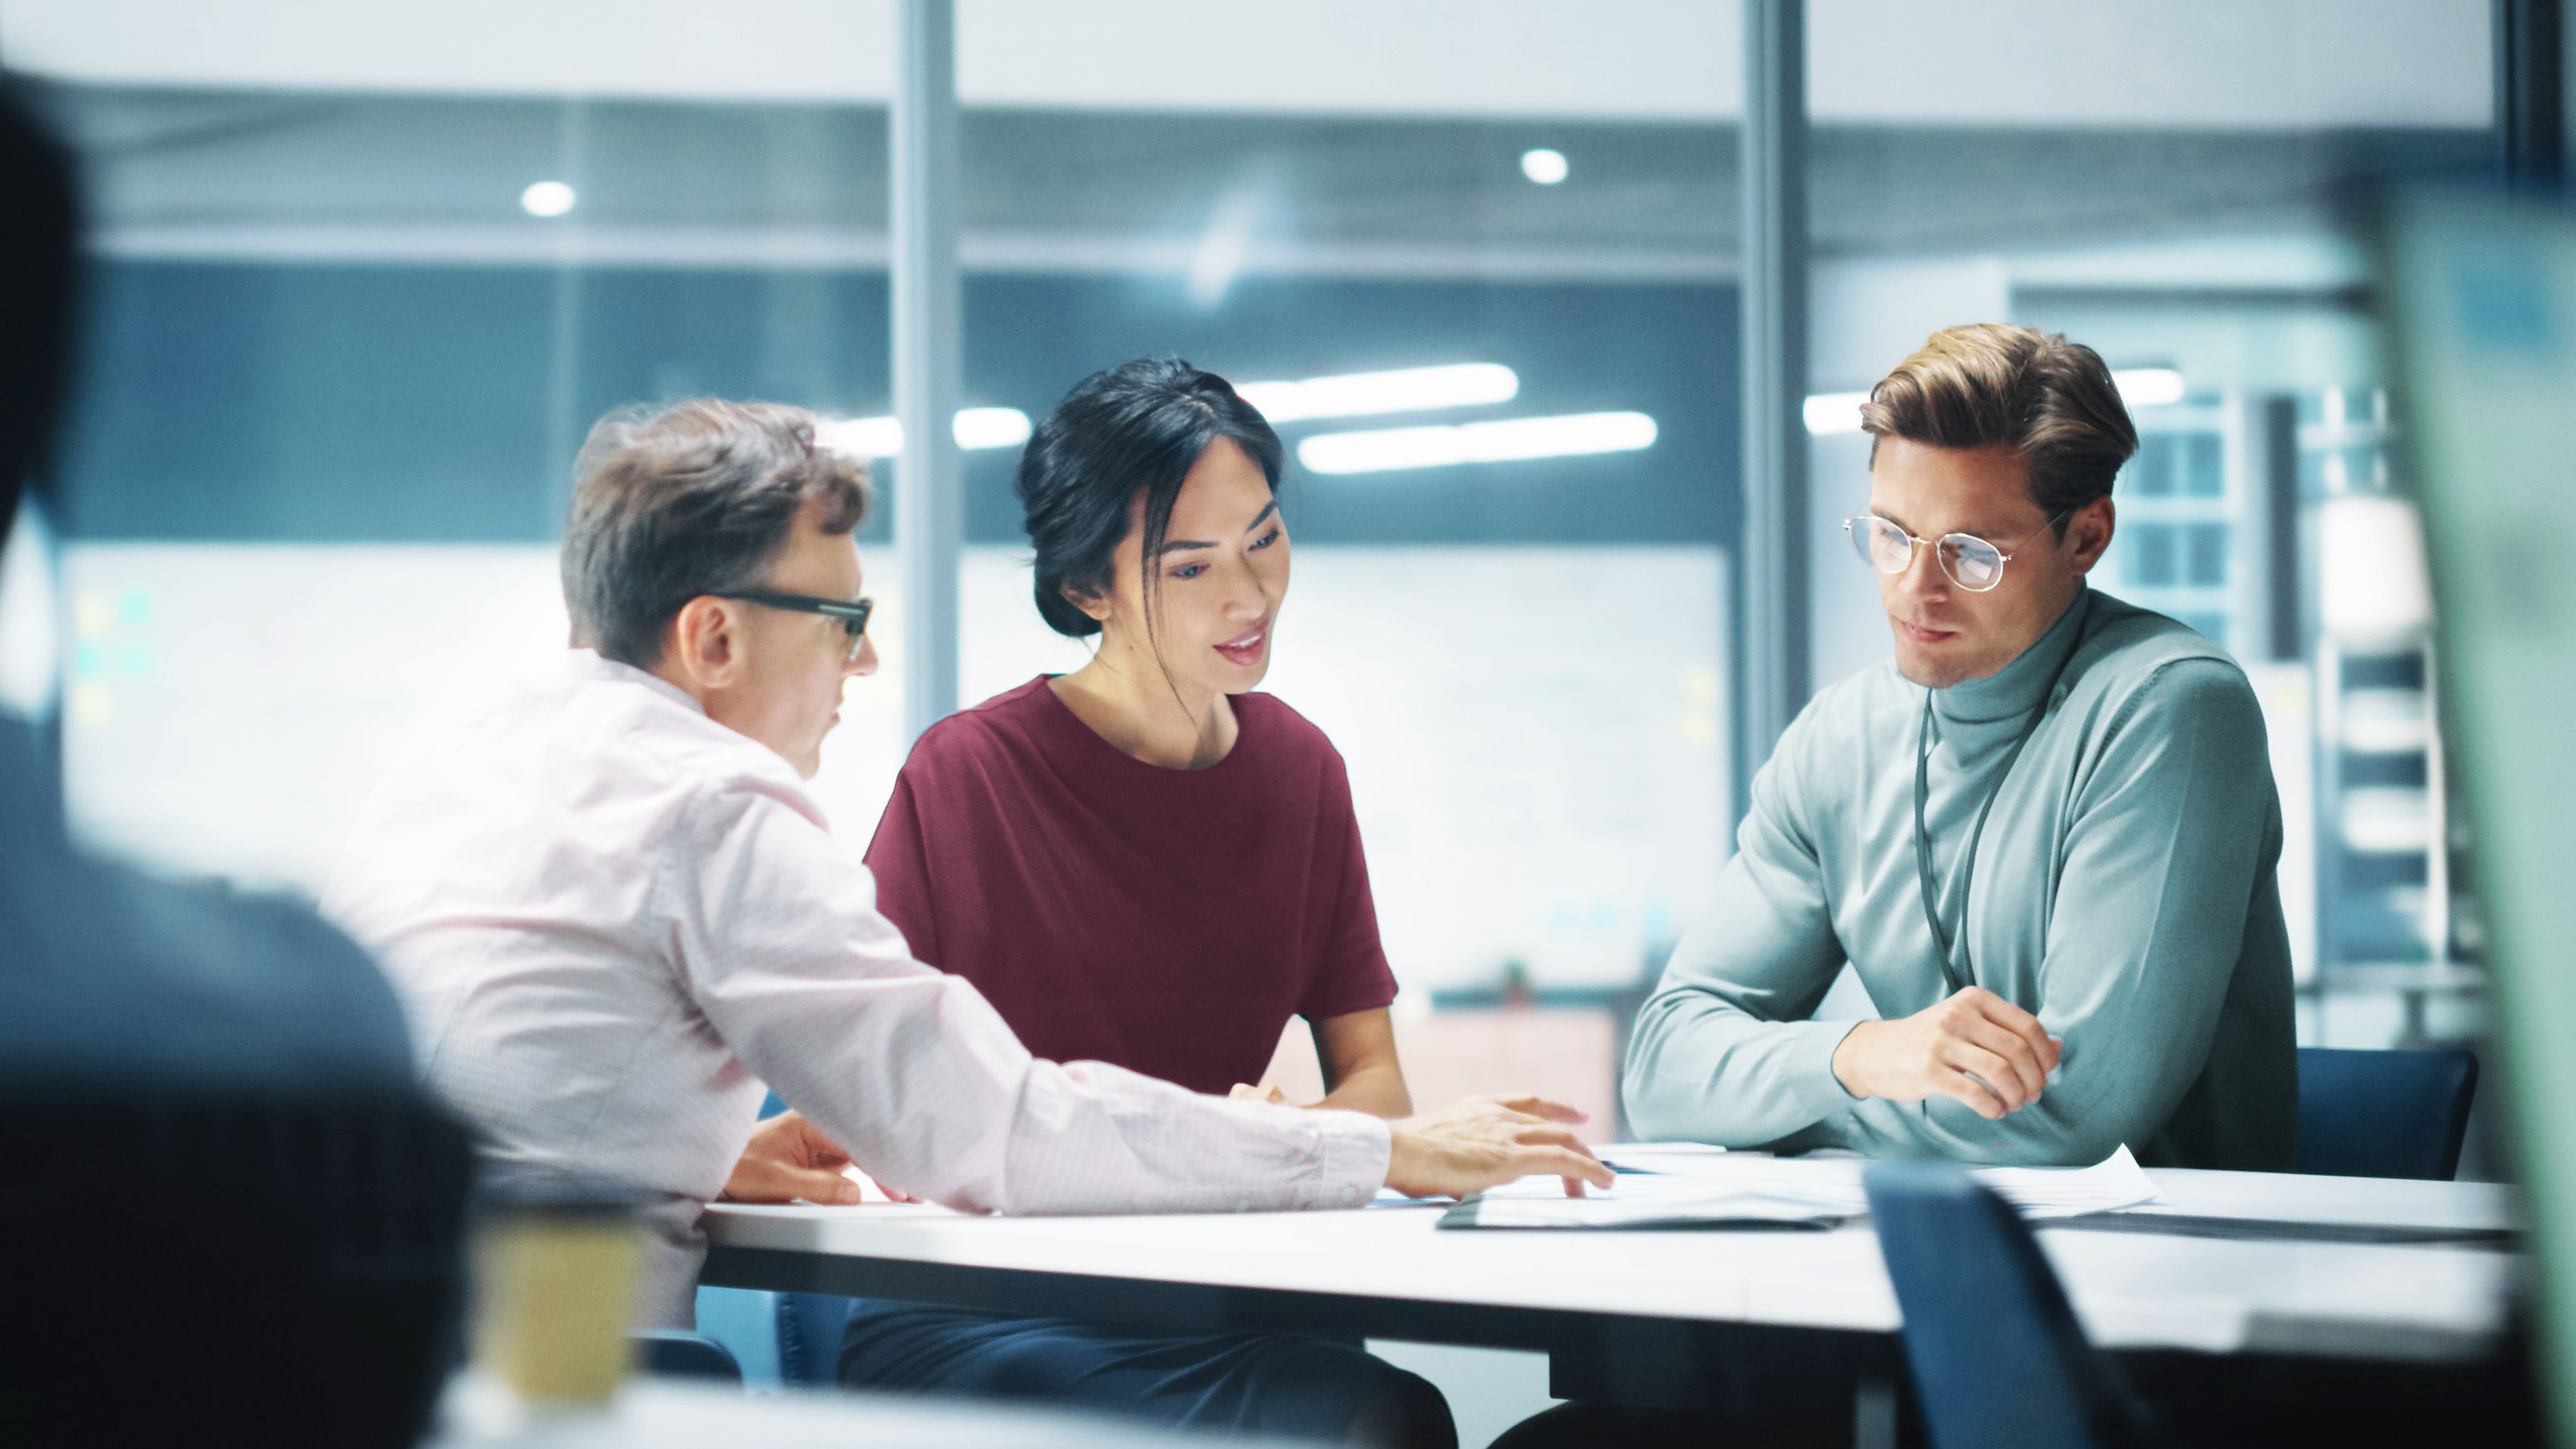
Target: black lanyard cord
[[1957, 976]]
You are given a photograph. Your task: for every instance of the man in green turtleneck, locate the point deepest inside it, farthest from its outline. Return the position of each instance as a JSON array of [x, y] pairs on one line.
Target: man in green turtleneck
[[2044, 834]]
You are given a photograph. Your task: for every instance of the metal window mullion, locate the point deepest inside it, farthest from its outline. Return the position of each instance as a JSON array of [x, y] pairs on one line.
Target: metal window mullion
[[1773, 561], [929, 481], [2531, 91]]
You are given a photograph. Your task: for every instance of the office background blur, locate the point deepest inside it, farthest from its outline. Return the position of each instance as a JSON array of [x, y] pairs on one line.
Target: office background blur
[[362, 276]]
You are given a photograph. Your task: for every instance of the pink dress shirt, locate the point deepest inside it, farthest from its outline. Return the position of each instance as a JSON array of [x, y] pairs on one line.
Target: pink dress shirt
[[612, 920]]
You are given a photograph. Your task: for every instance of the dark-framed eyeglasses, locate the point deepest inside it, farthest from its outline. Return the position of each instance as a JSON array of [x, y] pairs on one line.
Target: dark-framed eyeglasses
[[853, 613], [1971, 562]]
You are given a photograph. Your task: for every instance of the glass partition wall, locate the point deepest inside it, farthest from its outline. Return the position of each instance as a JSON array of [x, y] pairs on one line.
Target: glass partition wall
[[1485, 291], [356, 291], [360, 281], [359, 287], [362, 275]]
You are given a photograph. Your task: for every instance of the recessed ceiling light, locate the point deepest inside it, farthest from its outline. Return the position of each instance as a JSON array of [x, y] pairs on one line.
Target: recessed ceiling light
[[547, 198], [1543, 166]]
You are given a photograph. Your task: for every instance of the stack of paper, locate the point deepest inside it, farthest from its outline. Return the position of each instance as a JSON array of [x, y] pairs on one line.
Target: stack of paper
[[2114, 1183], [1702, 1187]]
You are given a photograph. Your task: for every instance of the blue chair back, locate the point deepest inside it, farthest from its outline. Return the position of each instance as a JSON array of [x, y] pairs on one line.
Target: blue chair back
[[1995, 1354], [2383, 1113], [779, 1339], [672, 1353]]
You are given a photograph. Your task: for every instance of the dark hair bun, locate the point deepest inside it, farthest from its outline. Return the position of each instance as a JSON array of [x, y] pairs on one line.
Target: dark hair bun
[[1136, 427]]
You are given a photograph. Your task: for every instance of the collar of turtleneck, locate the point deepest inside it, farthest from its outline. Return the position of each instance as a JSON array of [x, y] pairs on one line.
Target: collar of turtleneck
[[2012, 692]]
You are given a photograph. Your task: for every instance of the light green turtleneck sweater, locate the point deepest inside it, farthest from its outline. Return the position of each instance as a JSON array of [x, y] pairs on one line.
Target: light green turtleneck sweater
[[2123, 892]]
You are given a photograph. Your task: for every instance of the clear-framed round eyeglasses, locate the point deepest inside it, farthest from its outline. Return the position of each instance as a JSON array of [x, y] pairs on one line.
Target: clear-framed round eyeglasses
[[1971, 562]]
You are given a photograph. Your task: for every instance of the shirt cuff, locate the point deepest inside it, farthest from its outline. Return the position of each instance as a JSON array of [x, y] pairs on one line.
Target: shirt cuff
[[1811, 1068], [1352, 1161]]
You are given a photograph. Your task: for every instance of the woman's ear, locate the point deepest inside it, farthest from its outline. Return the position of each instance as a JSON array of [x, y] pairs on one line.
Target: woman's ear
[[1094, 604]]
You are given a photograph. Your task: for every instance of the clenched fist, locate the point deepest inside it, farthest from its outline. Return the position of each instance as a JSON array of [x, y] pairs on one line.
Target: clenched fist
[[1974, 1046]]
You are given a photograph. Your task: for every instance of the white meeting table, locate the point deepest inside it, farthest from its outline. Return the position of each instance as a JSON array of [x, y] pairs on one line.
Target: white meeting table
[[1747, 1317], [651, 1413]]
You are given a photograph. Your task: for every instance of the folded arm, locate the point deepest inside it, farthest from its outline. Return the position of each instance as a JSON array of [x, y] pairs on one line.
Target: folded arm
[[2173, 825]]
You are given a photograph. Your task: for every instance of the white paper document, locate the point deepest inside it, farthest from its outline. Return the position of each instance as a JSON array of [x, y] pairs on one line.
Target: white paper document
[[1700, 1188]]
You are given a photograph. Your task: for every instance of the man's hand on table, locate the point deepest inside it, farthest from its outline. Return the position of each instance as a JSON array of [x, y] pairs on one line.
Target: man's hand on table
[[1483, 1142], [788, 1159], [1974, 1046]]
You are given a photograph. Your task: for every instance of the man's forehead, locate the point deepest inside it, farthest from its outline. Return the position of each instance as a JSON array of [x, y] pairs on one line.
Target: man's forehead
[[1928, 489], [817, 562]]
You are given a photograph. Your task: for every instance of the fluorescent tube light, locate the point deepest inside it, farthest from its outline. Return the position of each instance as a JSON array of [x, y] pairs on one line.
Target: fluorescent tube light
[[2148, 387], [1828, 413], [1403, 390], [1387, 450], [975, 428], [990, 427]]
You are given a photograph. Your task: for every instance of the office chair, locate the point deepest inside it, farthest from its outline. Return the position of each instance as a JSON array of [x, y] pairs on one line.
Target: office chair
[[288, 1265], [1995, 1354], [2383, 1113], [673, 1353], [791, 1339]]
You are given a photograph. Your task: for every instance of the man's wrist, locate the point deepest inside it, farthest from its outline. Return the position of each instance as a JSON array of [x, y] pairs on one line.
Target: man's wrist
[[1847, 1058]]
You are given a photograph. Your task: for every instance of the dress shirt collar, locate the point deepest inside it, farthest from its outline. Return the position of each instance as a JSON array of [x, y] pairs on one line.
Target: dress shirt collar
[[587, 664], [2010, 693]]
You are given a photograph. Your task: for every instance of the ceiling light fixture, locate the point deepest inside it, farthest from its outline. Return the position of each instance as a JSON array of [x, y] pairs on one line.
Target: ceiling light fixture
[[1388, 450], [2149, 387], [1544, 166], [1403, 390], [974, 428], [548, 199], [1830, 413]]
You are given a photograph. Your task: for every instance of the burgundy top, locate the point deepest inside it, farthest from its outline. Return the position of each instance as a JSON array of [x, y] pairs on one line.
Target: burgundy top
[[1167, 921]]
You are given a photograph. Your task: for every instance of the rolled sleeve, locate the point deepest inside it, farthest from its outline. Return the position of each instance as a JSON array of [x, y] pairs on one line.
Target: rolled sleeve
[[1352, 1164]]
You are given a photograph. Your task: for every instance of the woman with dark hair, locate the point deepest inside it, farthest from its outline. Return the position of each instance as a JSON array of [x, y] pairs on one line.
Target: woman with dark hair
[[1144, 862]]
